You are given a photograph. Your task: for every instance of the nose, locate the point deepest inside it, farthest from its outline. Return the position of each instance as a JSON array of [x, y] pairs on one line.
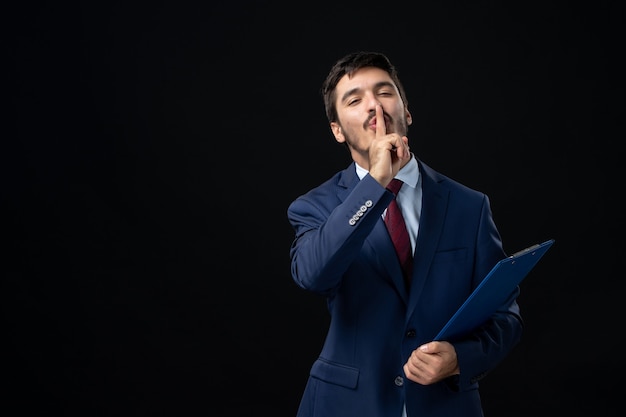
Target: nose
[[372, 101]]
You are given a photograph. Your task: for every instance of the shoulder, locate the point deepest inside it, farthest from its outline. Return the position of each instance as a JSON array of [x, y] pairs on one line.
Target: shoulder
[[333, 186], [329, 193], [433, 180]]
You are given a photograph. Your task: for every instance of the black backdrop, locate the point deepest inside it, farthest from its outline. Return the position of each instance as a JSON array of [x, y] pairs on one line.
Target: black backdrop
[[124, 292]]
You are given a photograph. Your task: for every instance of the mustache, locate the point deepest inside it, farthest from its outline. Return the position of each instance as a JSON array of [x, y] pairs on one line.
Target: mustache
[[372, 115]]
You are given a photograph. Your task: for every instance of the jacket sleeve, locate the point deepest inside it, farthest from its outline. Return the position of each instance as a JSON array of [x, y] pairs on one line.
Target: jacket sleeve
[[329, 232]]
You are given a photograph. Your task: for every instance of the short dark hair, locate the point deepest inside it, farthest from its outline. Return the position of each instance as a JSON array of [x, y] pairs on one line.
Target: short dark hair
[[349, 64]]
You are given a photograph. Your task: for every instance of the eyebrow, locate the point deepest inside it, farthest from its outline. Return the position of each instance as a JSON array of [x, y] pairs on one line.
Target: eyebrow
[[376, 87]]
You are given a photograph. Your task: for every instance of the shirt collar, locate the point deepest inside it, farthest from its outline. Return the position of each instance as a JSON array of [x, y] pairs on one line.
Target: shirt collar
[[409, 174]]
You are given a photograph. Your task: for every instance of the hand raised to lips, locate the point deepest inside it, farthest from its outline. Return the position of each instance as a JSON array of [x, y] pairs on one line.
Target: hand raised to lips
[[388, 152]]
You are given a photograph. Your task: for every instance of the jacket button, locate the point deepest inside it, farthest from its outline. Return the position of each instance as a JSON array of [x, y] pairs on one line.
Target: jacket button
[[399, 381], [411, 333]]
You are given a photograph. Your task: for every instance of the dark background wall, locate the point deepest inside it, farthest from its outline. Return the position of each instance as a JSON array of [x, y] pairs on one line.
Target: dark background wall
[[123, 295]]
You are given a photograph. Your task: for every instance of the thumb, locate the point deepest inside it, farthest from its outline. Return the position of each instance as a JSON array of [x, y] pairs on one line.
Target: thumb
[[429, 347]]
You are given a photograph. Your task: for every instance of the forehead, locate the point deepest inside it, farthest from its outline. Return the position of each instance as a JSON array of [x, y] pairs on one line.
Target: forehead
[[363, 79]]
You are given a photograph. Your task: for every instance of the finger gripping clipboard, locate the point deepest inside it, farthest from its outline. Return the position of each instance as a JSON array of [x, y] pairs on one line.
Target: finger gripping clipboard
[[493, 290]]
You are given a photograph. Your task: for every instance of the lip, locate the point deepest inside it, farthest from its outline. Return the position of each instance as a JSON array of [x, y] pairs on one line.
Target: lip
[[372, 123]]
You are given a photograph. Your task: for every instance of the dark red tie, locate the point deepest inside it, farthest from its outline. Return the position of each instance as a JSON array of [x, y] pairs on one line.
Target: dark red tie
[[398, 232]]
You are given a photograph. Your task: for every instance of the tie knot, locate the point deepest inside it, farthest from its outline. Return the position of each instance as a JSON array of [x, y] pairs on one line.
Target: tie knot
[[394, 186]]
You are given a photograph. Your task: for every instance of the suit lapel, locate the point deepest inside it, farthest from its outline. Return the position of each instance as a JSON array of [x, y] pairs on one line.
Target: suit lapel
[[379, 239], [434, 202]]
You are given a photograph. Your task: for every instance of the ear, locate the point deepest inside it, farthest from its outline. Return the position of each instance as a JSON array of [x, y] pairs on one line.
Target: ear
[[409, 118], [336, 129]]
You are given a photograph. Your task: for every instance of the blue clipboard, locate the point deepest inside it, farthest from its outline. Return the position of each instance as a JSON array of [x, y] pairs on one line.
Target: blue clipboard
[[494, 289]]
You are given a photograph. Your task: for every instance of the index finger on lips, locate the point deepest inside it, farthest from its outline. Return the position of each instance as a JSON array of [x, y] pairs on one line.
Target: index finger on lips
[[381, 130]]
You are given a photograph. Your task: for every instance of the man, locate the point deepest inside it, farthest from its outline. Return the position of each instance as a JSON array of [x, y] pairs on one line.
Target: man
[[379, 358]]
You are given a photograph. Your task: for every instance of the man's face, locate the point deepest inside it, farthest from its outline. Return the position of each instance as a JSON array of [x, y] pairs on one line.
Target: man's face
[[356, 99]]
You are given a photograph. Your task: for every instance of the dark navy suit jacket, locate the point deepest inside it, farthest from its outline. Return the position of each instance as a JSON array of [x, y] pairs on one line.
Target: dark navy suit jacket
[[342, 251]]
